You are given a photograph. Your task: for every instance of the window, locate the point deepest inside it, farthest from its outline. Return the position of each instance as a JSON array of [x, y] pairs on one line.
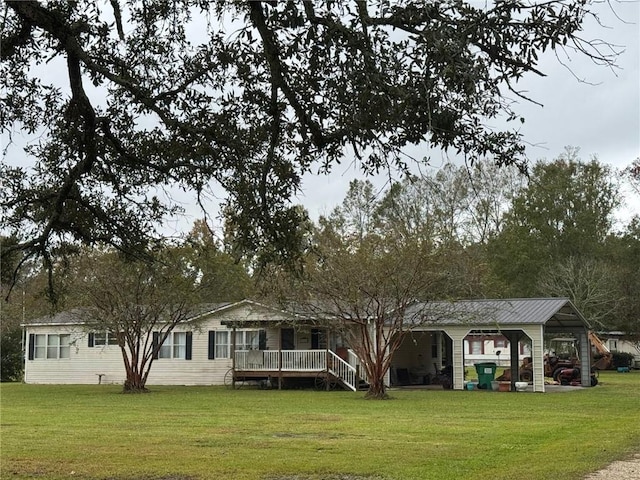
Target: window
[[524, 348], [101, 339], [52, 346], [221, 344], [500, 342], [174, 346], [179, 344], [40, 346], [248, 340], [476, 347]]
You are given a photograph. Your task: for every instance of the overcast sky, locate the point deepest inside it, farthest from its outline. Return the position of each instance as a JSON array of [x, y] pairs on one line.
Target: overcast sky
[[587, 106]]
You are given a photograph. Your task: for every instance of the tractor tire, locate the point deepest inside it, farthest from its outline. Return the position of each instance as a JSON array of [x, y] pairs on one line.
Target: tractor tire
[[526, 376], [556, 374]]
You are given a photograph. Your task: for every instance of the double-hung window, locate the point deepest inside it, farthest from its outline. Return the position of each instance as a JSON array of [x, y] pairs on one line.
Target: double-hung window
[[221, 341], [476, 347], [248, 340], [222, 349], [40, 348], [176, 345], [500, 343], [51, 346], [102, 339]]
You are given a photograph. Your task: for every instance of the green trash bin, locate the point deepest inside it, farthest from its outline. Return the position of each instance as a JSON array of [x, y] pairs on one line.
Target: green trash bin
[[486, 374]]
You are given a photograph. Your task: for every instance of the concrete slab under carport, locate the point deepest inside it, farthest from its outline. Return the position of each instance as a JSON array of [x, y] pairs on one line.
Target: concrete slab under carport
[[514, 318]]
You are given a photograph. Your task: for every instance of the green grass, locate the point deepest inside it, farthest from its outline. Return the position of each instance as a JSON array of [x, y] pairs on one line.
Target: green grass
[[94, 432]]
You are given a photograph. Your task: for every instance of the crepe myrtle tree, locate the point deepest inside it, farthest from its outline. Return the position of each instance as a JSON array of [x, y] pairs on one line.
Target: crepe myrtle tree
[[137, 302], [366, 289], [125, 98]]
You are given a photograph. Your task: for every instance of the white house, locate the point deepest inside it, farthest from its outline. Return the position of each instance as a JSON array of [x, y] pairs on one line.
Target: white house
[[619, 342], [248, 341], [198, 352], [480, 347]]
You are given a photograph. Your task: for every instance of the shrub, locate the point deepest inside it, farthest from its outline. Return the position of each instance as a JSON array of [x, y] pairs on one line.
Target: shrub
[[622, 359], [11, 364]]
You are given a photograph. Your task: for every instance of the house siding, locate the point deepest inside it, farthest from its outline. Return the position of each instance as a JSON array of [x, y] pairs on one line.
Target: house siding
[[84, 364], [197, 371], [89, 365], [490, 351]]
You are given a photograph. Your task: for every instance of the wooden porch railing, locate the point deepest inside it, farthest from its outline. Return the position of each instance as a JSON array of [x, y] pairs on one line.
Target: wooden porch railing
[[345, 372], [312, 361], [285, 360], [354, 360]]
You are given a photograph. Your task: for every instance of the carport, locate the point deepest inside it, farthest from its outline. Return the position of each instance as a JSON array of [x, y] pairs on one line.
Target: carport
[[516, 319]]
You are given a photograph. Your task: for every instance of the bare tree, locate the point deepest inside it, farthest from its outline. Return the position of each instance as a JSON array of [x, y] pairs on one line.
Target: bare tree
[[137, 303], [632, 173], [367, 293], [588, 283]]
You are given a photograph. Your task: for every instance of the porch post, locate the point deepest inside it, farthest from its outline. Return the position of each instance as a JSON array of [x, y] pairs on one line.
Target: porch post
[[280, 357], [233, 357], [326, 358]]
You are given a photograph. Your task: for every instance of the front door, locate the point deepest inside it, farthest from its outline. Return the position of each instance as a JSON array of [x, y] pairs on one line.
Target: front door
[[318, 338], [287, 339]]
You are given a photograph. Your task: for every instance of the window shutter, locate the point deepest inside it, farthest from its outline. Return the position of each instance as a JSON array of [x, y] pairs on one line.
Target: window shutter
[[189, 345], [212, 345], [156, 340], [32, 346], [92, 340]]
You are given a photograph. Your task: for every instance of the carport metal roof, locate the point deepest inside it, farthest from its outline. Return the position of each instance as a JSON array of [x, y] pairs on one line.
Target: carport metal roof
[[513, 317], [555, 314]]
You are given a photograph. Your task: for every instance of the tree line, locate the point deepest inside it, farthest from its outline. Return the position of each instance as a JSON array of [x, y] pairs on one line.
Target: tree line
[[251, 96], [461, 232]]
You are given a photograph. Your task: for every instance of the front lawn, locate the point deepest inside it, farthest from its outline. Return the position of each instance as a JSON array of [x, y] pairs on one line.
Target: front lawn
[[185, 433]]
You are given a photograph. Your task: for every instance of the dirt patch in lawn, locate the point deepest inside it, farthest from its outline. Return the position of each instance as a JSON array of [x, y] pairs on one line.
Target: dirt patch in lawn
[[628, 469]]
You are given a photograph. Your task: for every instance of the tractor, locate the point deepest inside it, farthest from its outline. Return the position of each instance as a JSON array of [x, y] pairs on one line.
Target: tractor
[[561, 361]]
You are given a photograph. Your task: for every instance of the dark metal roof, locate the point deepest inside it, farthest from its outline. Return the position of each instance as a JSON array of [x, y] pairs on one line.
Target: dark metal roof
[[77, 316], [554, 313], [68, 317]]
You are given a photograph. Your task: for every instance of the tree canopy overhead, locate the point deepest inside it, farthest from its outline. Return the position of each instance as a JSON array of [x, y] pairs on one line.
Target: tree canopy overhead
[[248, 96]]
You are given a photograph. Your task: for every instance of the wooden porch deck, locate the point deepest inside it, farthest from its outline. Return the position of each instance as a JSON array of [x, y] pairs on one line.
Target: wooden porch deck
[[324, 367]]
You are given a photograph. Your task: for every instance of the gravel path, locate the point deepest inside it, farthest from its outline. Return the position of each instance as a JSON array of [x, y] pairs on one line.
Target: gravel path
[[622, 470]]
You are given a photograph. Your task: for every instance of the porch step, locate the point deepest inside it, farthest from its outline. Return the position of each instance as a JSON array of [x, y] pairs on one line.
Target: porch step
[[362, 385], [339, 383]]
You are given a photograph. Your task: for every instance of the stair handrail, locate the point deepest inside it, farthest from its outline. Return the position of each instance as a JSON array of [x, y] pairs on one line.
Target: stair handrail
[[354, 360], [342, 370]]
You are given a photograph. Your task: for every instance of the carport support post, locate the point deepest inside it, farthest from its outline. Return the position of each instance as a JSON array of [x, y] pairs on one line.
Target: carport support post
[[585, 358], [457, 362], [514, 337], [536, 334]]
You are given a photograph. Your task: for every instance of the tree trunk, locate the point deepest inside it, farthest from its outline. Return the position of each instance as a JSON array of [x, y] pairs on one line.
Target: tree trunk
[[135, 382], [377, 389]]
